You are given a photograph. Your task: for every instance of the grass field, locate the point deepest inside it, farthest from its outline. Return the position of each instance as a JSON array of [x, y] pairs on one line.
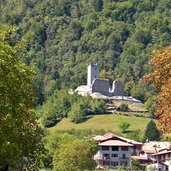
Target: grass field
[[108, 122], [135, 107]]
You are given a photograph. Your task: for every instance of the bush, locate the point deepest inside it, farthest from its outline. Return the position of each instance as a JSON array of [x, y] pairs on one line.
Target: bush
[[98, 106], [76, 114], [135, 135], [123, 107], [124, 126], [49, 120], [136, 166]]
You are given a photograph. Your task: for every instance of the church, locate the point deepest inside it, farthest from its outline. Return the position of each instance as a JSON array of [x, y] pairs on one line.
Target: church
[[100, 88]]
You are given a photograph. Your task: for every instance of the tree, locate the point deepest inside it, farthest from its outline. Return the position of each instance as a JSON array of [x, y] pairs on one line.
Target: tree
[[150, 105], [19, 133], [123, 126], [55, 108], [151, 133], [68, 152], [74, 155], [136, 166], [123, 107], [98, 106], [79, 109], [97, 4], [135, 135], [52, 144], [161, 78], [76, 114]]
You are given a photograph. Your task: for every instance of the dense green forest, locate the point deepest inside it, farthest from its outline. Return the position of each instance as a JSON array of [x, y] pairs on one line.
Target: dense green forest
[[57, 39], [62, 36]]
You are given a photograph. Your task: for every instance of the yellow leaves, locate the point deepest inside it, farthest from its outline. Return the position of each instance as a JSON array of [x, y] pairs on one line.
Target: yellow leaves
[[4, 32], [161, 77], [46, 18]]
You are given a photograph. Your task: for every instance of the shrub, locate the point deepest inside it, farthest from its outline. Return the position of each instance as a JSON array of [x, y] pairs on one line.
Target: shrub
[[76, 114], [123, 107], [136, 166], [123, 126], [98, 106]]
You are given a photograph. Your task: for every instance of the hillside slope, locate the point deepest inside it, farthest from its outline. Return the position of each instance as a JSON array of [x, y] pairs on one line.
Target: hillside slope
[[105, 122], [62, 37]]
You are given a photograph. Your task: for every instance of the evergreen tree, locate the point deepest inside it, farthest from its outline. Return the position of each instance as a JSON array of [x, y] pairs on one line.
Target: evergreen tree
[[151, 132]]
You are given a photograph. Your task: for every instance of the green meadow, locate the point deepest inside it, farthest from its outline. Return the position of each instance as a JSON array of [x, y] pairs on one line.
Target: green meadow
[[107, 122]]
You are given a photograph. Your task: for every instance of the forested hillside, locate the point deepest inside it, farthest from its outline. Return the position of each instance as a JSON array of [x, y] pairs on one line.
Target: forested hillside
[[63, 36]]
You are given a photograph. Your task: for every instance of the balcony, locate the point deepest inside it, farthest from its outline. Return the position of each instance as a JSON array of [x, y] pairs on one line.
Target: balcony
[[96, 157], [99, 156], [124, 158]]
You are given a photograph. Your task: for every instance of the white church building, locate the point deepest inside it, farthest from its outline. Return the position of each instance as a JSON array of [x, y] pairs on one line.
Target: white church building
[[100, 88]]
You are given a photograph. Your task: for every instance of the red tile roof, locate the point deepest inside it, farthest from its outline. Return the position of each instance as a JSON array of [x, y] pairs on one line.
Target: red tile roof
[[162, 152], [130, 141], [108, 136], [104, 137], [140, 158], [160, 146]]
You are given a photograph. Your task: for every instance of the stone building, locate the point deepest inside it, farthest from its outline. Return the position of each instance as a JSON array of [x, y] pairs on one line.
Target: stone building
[[92, 73], [100, 88]]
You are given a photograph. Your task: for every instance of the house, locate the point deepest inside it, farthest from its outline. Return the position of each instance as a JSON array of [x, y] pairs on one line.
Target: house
[[152, 147], [115, 151], [110, 136], [157, 167], [156, 155], [163, 157]]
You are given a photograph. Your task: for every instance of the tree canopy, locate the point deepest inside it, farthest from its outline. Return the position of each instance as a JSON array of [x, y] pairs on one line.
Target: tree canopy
[[67, 152], [75, 155], [151, 133], [62, 37], [161, 78], [19, 133]]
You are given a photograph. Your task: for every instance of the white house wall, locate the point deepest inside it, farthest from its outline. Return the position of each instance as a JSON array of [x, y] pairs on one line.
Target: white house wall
[[119, 157]]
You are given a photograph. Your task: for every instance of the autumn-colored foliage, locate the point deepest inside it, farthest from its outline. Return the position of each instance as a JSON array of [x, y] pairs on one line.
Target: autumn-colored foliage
[[161, 78]]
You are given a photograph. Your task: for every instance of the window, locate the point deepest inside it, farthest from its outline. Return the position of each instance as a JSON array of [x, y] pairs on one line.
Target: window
[[105, 148], [164, 156], [106, 155], [114, 148], [114, 155], [106, 163], [159, 158], [114, 163], [123, 156], [124, 148], [124, 164]]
